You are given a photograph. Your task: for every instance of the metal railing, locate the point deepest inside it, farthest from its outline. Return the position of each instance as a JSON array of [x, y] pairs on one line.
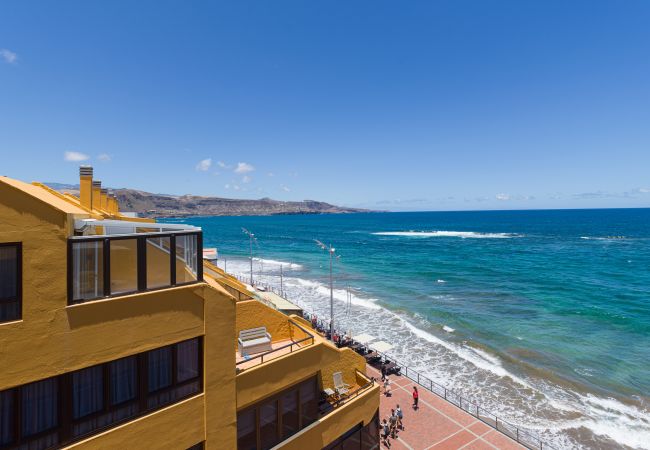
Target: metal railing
[[275, 353], [524, 437], [354, 394]]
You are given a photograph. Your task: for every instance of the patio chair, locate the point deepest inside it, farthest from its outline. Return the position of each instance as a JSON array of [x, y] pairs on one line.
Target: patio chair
[[341, 387]]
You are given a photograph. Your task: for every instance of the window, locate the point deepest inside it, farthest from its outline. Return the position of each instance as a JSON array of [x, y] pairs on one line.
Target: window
[[269, 424], [107, 266], [124, 265], [10, 281], [309, 401], [7, 417], [66, 408], [87, 391], [359, 437], [275, 419], [290, 423]]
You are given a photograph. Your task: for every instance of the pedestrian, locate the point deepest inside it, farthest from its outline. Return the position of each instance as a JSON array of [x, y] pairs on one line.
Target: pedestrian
[[385, 433], [416, 397], [383, 371], [400, 416], [393, 424], [387, 389]]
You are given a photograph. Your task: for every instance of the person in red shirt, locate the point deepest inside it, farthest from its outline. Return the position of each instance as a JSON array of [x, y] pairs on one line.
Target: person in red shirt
[[416, 397]]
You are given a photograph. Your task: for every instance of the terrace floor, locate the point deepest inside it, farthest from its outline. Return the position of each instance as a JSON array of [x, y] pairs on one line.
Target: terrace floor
[[437, 424], [276, 351]]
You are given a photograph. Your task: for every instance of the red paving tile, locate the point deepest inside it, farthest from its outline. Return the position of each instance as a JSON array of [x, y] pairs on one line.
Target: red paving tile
[[458, 440], [437, 424]]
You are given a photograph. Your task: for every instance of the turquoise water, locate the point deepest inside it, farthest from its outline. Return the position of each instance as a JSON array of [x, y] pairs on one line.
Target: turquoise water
[[550, 310]]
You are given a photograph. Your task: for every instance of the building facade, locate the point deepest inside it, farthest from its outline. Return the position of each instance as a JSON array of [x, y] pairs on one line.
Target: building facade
[[114, 333]]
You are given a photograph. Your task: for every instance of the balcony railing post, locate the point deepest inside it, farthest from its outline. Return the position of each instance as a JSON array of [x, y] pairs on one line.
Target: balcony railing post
[[107, 267]]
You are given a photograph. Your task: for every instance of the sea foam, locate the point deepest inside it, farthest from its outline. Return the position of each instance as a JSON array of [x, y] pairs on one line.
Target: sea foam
[[458, 234]]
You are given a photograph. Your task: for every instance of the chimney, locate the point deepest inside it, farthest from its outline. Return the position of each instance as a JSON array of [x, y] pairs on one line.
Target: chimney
[[115, 206], [104, 202], [85, 186], [97, 195], [112, 203]]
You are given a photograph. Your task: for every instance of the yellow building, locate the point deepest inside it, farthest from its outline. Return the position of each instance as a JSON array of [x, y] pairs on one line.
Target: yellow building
[[114, 334]]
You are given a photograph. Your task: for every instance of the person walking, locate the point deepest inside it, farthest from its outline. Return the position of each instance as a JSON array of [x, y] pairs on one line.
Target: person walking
[[385, 433], [416, 397], [383, 371], [393, 424], [400, 416], [387, 389]]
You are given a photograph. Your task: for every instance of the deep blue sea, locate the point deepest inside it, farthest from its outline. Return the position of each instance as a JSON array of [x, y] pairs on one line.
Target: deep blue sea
[[541, 316]]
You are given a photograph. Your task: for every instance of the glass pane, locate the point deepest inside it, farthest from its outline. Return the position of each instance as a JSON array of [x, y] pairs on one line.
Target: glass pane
[[289, 413], [246, 430], [6, 417], [186, 258], [352, 442], [160, 368], [309, 402], [87, 391], [39, 406], [187, 360], [124, 265], [158, 262], [87, 270], [8, 272], [123, 375], [9, 310], [269, 424]]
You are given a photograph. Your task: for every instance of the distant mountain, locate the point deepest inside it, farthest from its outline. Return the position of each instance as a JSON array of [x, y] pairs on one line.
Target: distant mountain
[[147, 204]]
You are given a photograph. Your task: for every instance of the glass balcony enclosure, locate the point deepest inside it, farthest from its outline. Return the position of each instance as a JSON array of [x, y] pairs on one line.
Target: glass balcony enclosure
[[115, 258]]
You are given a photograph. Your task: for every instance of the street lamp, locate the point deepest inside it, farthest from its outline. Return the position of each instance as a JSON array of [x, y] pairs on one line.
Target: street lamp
[[331, 251], [251, 238]]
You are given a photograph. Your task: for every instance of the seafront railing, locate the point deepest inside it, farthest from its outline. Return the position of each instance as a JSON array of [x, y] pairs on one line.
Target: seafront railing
[[523, 437]]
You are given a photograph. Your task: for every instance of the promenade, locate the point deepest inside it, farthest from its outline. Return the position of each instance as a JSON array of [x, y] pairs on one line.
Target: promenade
[[437, 424]]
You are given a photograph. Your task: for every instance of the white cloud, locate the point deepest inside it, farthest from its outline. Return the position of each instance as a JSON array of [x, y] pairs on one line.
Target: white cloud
[[246, 179], [75, 156], [644, 190], [243, 167], [8, 56], [285, 188], [104, 157], [502, 197], [226, 186], [223, 165], [204, 166]]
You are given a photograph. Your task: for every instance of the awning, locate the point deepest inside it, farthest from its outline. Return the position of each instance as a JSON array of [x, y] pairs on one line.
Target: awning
[[381, 346], [364, 338], [112, 226]]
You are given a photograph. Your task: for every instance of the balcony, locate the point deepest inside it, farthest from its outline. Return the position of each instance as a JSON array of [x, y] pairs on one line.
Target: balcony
[[108, 265], [298, 338]]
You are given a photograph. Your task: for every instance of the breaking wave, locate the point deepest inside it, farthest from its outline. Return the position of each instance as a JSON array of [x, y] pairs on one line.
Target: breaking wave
[[458, 234]]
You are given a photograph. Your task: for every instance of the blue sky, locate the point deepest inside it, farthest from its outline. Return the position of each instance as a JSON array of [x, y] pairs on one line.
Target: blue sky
[[419, 105]]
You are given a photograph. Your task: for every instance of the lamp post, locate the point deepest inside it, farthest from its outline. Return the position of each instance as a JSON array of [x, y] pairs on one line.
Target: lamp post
[[331, 251], [251, 237]]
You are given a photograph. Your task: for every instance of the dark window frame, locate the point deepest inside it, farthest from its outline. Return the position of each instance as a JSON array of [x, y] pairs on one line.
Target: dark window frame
[[19, 281], [141, 262], [65, 422], [277, 398]]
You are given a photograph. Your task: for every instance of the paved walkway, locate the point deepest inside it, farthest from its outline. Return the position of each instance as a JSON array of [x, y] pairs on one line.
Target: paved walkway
[[437, 424]]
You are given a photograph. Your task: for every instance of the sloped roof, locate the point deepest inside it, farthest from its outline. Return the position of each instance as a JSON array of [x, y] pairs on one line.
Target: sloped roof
[[44, 196]]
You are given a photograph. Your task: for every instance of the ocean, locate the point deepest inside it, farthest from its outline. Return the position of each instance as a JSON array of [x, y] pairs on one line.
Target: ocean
[[542, 317]]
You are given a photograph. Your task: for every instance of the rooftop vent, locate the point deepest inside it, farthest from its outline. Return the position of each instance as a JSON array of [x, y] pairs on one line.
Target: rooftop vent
[[86, 171], [97, 183]]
